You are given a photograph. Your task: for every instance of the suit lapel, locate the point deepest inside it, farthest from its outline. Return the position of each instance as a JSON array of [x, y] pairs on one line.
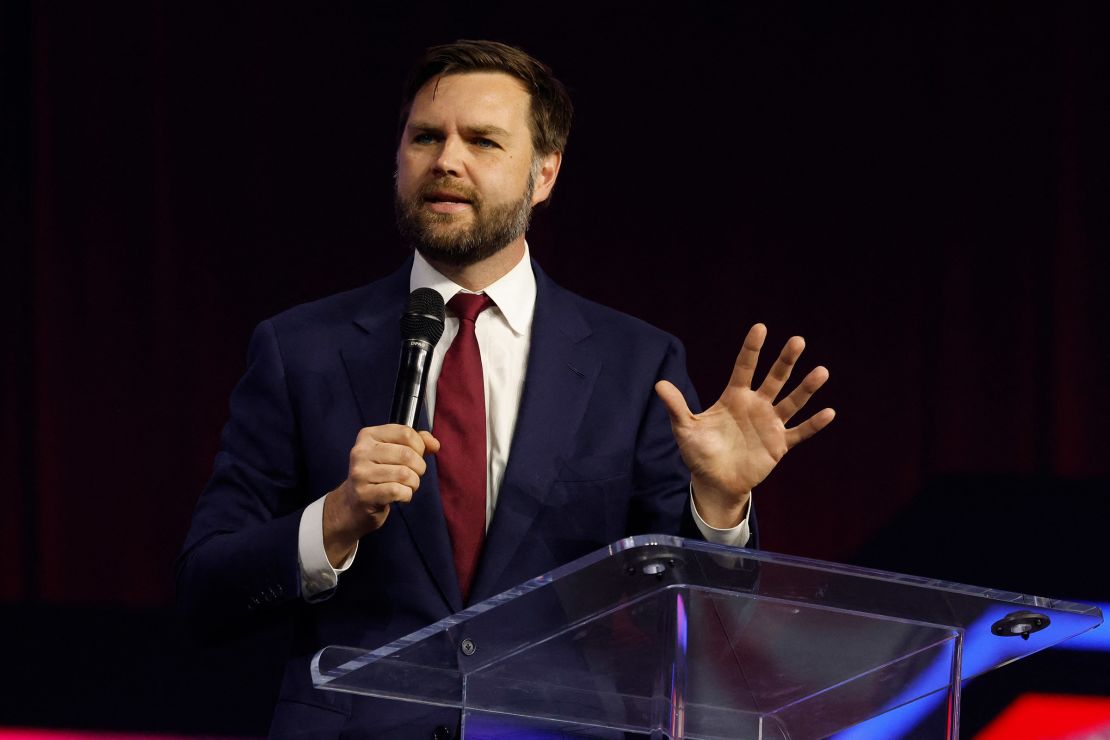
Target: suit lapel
[[373, 374], [560, 376]]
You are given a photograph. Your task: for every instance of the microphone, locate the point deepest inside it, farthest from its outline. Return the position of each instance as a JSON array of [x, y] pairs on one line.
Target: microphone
[[421, 328]]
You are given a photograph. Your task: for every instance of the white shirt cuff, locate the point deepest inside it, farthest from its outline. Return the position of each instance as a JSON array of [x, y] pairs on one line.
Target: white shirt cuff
[[733, 537], [318, 578]]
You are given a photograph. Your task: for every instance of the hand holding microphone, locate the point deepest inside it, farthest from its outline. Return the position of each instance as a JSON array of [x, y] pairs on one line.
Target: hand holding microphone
[[387, 461]]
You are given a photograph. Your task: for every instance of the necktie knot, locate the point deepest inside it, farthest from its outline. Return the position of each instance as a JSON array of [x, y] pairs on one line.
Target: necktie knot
[[467, 306]]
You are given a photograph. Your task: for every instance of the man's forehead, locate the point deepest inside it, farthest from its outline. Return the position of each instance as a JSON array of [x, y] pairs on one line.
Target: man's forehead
[[481, 98]]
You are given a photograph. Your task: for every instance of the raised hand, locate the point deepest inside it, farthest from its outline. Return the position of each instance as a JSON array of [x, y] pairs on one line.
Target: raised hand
[[733, 445]]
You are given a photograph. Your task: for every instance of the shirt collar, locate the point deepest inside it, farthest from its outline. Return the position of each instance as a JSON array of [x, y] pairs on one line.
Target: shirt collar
[[514, 293]]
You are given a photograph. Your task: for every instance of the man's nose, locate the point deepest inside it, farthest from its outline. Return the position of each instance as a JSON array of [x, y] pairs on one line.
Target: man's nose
[[450, 159]]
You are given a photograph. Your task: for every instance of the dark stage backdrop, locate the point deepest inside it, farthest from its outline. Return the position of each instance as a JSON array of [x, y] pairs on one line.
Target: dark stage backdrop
[[920, 189]]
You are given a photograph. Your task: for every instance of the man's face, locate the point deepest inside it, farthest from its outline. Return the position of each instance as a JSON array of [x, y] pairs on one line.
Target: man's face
[[466, 177]]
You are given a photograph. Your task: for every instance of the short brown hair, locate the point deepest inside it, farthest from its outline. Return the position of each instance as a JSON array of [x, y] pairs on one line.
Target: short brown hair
[[550, 105]]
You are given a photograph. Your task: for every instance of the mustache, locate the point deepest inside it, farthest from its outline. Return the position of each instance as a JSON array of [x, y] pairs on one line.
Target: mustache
[[451, 186]]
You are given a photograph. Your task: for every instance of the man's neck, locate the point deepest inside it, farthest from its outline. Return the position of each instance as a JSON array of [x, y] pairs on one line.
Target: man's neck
[[480, 275]]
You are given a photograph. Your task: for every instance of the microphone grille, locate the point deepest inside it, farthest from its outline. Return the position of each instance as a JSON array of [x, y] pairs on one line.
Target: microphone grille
[[424, 318]]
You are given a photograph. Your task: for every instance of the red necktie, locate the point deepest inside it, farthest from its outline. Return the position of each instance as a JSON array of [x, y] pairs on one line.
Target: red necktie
[[460, 426]]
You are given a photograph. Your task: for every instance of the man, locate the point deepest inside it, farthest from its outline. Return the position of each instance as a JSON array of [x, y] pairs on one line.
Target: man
[[361, 532]]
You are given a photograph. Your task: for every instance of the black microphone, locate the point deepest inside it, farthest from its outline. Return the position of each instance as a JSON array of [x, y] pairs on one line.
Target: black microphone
[[421, 328]]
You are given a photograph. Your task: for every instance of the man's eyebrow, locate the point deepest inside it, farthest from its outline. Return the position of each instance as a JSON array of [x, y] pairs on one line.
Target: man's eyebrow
[[484, 129]]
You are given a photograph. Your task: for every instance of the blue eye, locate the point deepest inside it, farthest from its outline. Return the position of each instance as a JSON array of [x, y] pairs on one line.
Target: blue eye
[[423, 139], [485, 144]]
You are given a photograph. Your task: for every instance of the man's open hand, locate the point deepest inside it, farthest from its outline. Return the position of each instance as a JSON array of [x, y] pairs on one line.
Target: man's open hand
[[734, 444]]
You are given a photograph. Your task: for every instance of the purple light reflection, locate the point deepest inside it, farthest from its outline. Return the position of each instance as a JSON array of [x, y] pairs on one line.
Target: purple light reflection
[[678, 685]]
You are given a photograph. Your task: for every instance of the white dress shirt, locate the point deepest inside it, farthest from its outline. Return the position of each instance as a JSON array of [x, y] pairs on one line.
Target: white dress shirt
[[504, 333]]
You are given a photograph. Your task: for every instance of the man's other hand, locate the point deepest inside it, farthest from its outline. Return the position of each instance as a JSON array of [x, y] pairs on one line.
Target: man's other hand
[[734, 444], [385, 467]]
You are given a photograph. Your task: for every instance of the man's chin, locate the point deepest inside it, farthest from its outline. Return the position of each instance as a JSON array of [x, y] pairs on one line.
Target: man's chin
[[451, 246], [454, 254]]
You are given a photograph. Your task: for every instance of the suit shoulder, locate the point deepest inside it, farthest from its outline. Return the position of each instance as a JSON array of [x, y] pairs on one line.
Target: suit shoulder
[[339, 310], [322, 311], [606, 320]]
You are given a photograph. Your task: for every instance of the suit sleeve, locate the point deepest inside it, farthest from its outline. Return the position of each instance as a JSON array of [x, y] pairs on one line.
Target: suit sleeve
[[240, 556], [662, 504]]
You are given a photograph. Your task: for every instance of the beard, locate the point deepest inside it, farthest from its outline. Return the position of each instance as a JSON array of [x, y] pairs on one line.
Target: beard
[[434, 235]]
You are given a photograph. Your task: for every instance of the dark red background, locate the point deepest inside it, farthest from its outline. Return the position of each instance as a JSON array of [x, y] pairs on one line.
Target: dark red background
[[921, 192], [920, 189]]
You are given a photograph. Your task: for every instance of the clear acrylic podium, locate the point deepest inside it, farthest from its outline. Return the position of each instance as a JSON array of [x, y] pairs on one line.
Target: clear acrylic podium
[[682, 639]]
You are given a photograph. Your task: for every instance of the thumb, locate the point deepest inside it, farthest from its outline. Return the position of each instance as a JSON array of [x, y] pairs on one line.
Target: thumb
[[673, 400], [431, 444]]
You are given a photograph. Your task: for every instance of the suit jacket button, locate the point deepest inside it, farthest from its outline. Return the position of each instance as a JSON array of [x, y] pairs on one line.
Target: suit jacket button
[[441, 733]]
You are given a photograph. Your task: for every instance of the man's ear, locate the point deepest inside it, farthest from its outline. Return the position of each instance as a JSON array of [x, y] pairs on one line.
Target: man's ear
[[546, 175]]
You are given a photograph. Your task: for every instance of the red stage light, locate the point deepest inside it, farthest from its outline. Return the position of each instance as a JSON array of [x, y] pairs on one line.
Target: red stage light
[[1051, 717]]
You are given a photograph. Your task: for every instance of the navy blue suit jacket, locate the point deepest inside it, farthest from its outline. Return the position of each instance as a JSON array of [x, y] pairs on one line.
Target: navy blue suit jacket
[[592, 460]]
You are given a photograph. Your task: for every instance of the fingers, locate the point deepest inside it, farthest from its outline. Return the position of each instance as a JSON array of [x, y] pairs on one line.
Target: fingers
[[372, 498], [809, 427], [780, 371], [674, 401], [370, 450], [744, 369], [393, 434], [787, 407], [387, 462], [366, 472]]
